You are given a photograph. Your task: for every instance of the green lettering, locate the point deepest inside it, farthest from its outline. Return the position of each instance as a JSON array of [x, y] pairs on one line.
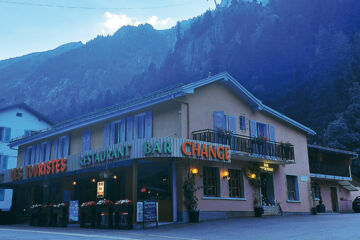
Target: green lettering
[[157, 148], [102, 156], [108, 155], [97, 158], [167, 147], [121, 152], [114, 153], [147, 148]]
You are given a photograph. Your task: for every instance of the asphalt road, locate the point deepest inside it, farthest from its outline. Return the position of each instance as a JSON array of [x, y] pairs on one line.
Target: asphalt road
[[336, 226]]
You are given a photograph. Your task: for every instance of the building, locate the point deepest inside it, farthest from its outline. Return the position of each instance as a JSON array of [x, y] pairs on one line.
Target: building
[[16, 120], [144, 149], [331, 179]]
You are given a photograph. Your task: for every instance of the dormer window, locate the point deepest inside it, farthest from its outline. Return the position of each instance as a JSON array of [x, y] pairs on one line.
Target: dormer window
[[19, 114]]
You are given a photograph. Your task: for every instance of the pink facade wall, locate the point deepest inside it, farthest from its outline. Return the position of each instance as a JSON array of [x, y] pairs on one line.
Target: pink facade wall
[[216, 97]]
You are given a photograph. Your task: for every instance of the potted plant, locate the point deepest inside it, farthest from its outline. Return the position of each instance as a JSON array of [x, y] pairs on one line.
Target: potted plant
[[123, 210], [35, 214], [190, 199], [60, 215], [253, 175], [104, 210], [88, 214]]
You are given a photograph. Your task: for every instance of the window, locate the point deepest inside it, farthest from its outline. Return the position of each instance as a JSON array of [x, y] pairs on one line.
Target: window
[[63, 147], [19, 114], [315, 190], [2, 194], [30, 155], [140, 125], [292, 188], [5, 134], [211, 178], [43, 152], [86, 141], [242, 123], [262, 130], [3, 162], [236, 183]]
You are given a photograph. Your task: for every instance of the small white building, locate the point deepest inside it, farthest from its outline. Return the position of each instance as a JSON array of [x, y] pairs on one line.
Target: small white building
[[15, 121]]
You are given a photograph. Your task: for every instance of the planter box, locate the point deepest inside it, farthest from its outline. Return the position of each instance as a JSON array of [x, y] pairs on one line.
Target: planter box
[[104, 216], [194, 216], [35, 216], [259, 211], [60, 216], [46, 216], [88, 216], [123, 216]]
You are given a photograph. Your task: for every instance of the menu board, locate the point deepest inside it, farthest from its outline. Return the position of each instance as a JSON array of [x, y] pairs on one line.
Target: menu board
[[74, 211], [149, 211]]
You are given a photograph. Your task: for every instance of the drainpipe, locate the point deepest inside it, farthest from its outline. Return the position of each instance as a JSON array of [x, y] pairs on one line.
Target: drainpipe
[[187, 117]]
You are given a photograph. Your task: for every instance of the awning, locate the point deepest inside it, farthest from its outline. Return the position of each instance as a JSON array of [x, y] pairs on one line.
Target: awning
[[348, 186]]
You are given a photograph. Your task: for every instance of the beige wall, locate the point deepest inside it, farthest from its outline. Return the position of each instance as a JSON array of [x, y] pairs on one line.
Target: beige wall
[[216, 97]]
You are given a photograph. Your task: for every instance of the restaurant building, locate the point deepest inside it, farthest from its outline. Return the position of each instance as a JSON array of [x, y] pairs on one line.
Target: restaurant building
[[144, 149]]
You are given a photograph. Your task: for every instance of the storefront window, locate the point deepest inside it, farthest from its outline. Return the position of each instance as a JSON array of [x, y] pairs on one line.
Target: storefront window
[[154, 180], [236, 183], [292, 187], [262, 130], [211, 178]]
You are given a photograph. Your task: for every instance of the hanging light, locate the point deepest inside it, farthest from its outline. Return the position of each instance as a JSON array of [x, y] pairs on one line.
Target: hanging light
[[93, 180], [74, 183], [226, 175], [115, 177], [194, 171]]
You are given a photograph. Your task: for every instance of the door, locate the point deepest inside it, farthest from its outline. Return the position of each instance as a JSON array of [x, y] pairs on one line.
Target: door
[[334, 199], [267, 189]]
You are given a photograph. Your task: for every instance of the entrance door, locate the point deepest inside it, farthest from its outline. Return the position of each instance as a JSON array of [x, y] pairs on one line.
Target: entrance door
[[334, 199], [267, 189]]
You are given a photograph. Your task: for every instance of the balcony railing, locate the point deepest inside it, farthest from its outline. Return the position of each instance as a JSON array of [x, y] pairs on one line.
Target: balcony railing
[[340, 169], [254, 146]]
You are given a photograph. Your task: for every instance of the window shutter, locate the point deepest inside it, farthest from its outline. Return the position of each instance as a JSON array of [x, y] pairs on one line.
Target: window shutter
[[37, 153], [148, 124], [48, 149], [33, 154], [112, 133], [136, 127], [242, 123], [219, 120], [122, 129], [7, 134], [253, 130], [66, 146], [86, 138], [107, 134], [271, 133], [4, 162], [23, 155], [141, 126], [232, 124], [55, 149], [129, 128]]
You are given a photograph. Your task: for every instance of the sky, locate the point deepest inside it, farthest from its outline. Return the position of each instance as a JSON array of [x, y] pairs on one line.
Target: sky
[[28, 26]]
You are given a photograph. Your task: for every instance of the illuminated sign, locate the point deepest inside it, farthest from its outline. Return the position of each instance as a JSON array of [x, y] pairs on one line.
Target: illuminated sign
[[205, 151], [41, 169], [266, 168], [105, 155], [100, 189], [165, 148]]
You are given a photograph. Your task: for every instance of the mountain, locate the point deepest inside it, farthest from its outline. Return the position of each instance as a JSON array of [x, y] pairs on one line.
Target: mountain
[[301, 57], [82, 77]]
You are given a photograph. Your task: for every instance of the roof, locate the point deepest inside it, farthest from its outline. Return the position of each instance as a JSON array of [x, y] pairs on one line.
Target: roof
[[29, 109], [334, 150], [155, 98]]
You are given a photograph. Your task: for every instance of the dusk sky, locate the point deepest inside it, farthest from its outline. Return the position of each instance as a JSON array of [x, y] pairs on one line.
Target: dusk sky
[[38, 25]]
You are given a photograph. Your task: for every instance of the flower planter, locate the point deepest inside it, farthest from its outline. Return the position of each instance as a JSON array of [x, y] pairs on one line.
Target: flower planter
[[46, 216], [88, 216], [194, 216], [259, 211], [35, 216], [60, 216], [104, 216], [123, 216], [313, 211]]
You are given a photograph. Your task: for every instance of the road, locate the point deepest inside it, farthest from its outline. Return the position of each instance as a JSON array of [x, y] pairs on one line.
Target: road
[[335, 226]]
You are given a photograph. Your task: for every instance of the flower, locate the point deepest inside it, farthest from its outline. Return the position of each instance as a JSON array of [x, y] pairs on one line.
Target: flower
[[88, 204], [35, 205], [123, 202], [59, 205], [105, 202]]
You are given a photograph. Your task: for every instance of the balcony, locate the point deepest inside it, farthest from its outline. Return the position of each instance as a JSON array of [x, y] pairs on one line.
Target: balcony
[[254, 147], [329, 169]]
